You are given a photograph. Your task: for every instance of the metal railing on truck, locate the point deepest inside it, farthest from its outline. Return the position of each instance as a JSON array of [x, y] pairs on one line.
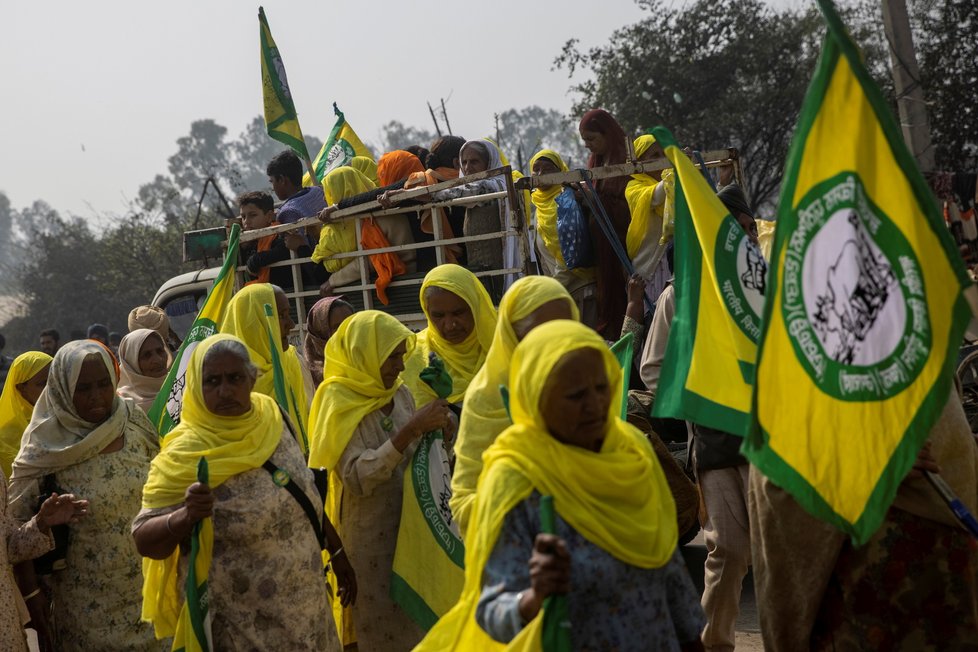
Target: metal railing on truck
[[405, 287]]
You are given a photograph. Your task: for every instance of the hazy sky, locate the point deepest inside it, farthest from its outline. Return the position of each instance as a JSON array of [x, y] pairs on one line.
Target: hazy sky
[[98, 92]]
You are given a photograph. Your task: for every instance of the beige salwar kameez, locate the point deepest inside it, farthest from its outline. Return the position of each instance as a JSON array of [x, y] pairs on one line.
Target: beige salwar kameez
[[372, 473]]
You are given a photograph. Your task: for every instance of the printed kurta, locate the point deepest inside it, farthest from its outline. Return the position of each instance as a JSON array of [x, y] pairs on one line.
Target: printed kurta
[[20, 542], [97, 594], [372, 473], [266, 585]]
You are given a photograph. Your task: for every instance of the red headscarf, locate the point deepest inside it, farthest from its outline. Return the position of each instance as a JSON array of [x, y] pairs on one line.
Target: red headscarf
[[396, 166], [604, 123]]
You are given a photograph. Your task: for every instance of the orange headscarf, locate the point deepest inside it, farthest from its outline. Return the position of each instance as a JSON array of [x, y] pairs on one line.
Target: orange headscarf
[[397, 166]]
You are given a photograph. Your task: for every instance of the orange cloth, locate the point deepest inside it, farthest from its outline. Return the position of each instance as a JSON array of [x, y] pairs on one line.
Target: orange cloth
[[430, 178], [388, 265], [396, 166], [265, 244]]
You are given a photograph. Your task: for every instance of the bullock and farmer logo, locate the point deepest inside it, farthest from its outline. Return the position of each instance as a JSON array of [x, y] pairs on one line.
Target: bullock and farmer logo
[[853, 300], [741, 274]]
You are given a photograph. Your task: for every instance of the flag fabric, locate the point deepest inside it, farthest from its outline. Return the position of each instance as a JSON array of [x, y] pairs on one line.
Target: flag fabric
[[428, 575], [165, 412], [865, 309], [193, 632], [281, 120], [708, 370], [339, 149], [624, 352]]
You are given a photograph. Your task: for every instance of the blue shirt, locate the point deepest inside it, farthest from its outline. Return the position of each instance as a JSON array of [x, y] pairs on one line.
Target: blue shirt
[[305, 203]]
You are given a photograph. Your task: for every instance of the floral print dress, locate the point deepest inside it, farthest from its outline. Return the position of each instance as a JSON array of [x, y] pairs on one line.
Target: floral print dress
[[96, 598], [19, 542]]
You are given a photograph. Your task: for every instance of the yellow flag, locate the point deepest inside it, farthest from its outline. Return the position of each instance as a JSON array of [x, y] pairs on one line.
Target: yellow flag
[[165, 411], [281, 119], [865, 307], [708, 371], [428, 577], [338, 150]]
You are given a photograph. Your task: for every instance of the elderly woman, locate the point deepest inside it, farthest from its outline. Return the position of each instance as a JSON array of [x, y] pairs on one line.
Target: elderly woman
[[144, 361], [259, 316], [86, 440], [262, 595], [487, 217], [25, 381], [531, 301], [461, 323], [365, 429], [324, 318], [613, 553]]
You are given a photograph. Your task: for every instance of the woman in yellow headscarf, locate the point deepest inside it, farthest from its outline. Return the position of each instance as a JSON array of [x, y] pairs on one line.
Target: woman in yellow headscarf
[[529, 302], [365, 166], [259, 551], [26, 379], [579, 281], [614, 551], [365, 429], [461, 323], [648, 196], [340, 236], [86, 440], [259, 316]]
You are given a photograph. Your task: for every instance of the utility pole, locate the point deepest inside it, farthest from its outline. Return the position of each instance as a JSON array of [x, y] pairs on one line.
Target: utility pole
[[434, 119], [906, 79]]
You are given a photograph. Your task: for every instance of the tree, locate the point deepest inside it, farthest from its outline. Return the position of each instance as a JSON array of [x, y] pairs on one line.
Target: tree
[[7, 260], [397, 135], [718, 73], [948, 55], [523, 132], [252, 151]]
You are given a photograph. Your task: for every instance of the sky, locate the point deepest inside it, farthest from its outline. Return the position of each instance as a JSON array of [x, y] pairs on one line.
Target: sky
[[98, 92]]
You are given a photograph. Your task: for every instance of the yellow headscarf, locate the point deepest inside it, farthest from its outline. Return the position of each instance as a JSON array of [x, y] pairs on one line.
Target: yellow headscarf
[[638, 193], [340, 237], [15, 411], [462, 361], [247, 318], [617, 498], [352, 387], [484, 415], [544, 199], [232, 445], [365, 166]]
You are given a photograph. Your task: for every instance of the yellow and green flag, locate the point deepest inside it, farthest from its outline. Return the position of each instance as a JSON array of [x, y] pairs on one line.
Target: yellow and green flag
[[193, 630], [339, 149], [281, 120], [865, 308], [165, 411], [428, 575], [708, 370]]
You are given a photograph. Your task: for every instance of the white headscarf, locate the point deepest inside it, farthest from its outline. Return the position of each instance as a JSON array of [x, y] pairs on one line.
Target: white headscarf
[[57, 437], [132, 383], [497, 184]]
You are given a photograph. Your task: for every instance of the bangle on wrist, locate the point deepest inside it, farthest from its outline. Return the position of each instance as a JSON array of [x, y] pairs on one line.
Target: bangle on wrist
[[32, 594], [168, 527], [339, 551]]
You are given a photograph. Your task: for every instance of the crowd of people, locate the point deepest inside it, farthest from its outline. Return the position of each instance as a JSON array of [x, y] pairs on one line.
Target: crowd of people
[[289, 462]]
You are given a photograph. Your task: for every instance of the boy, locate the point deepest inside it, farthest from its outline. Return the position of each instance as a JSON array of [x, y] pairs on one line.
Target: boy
[[257, 211]]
